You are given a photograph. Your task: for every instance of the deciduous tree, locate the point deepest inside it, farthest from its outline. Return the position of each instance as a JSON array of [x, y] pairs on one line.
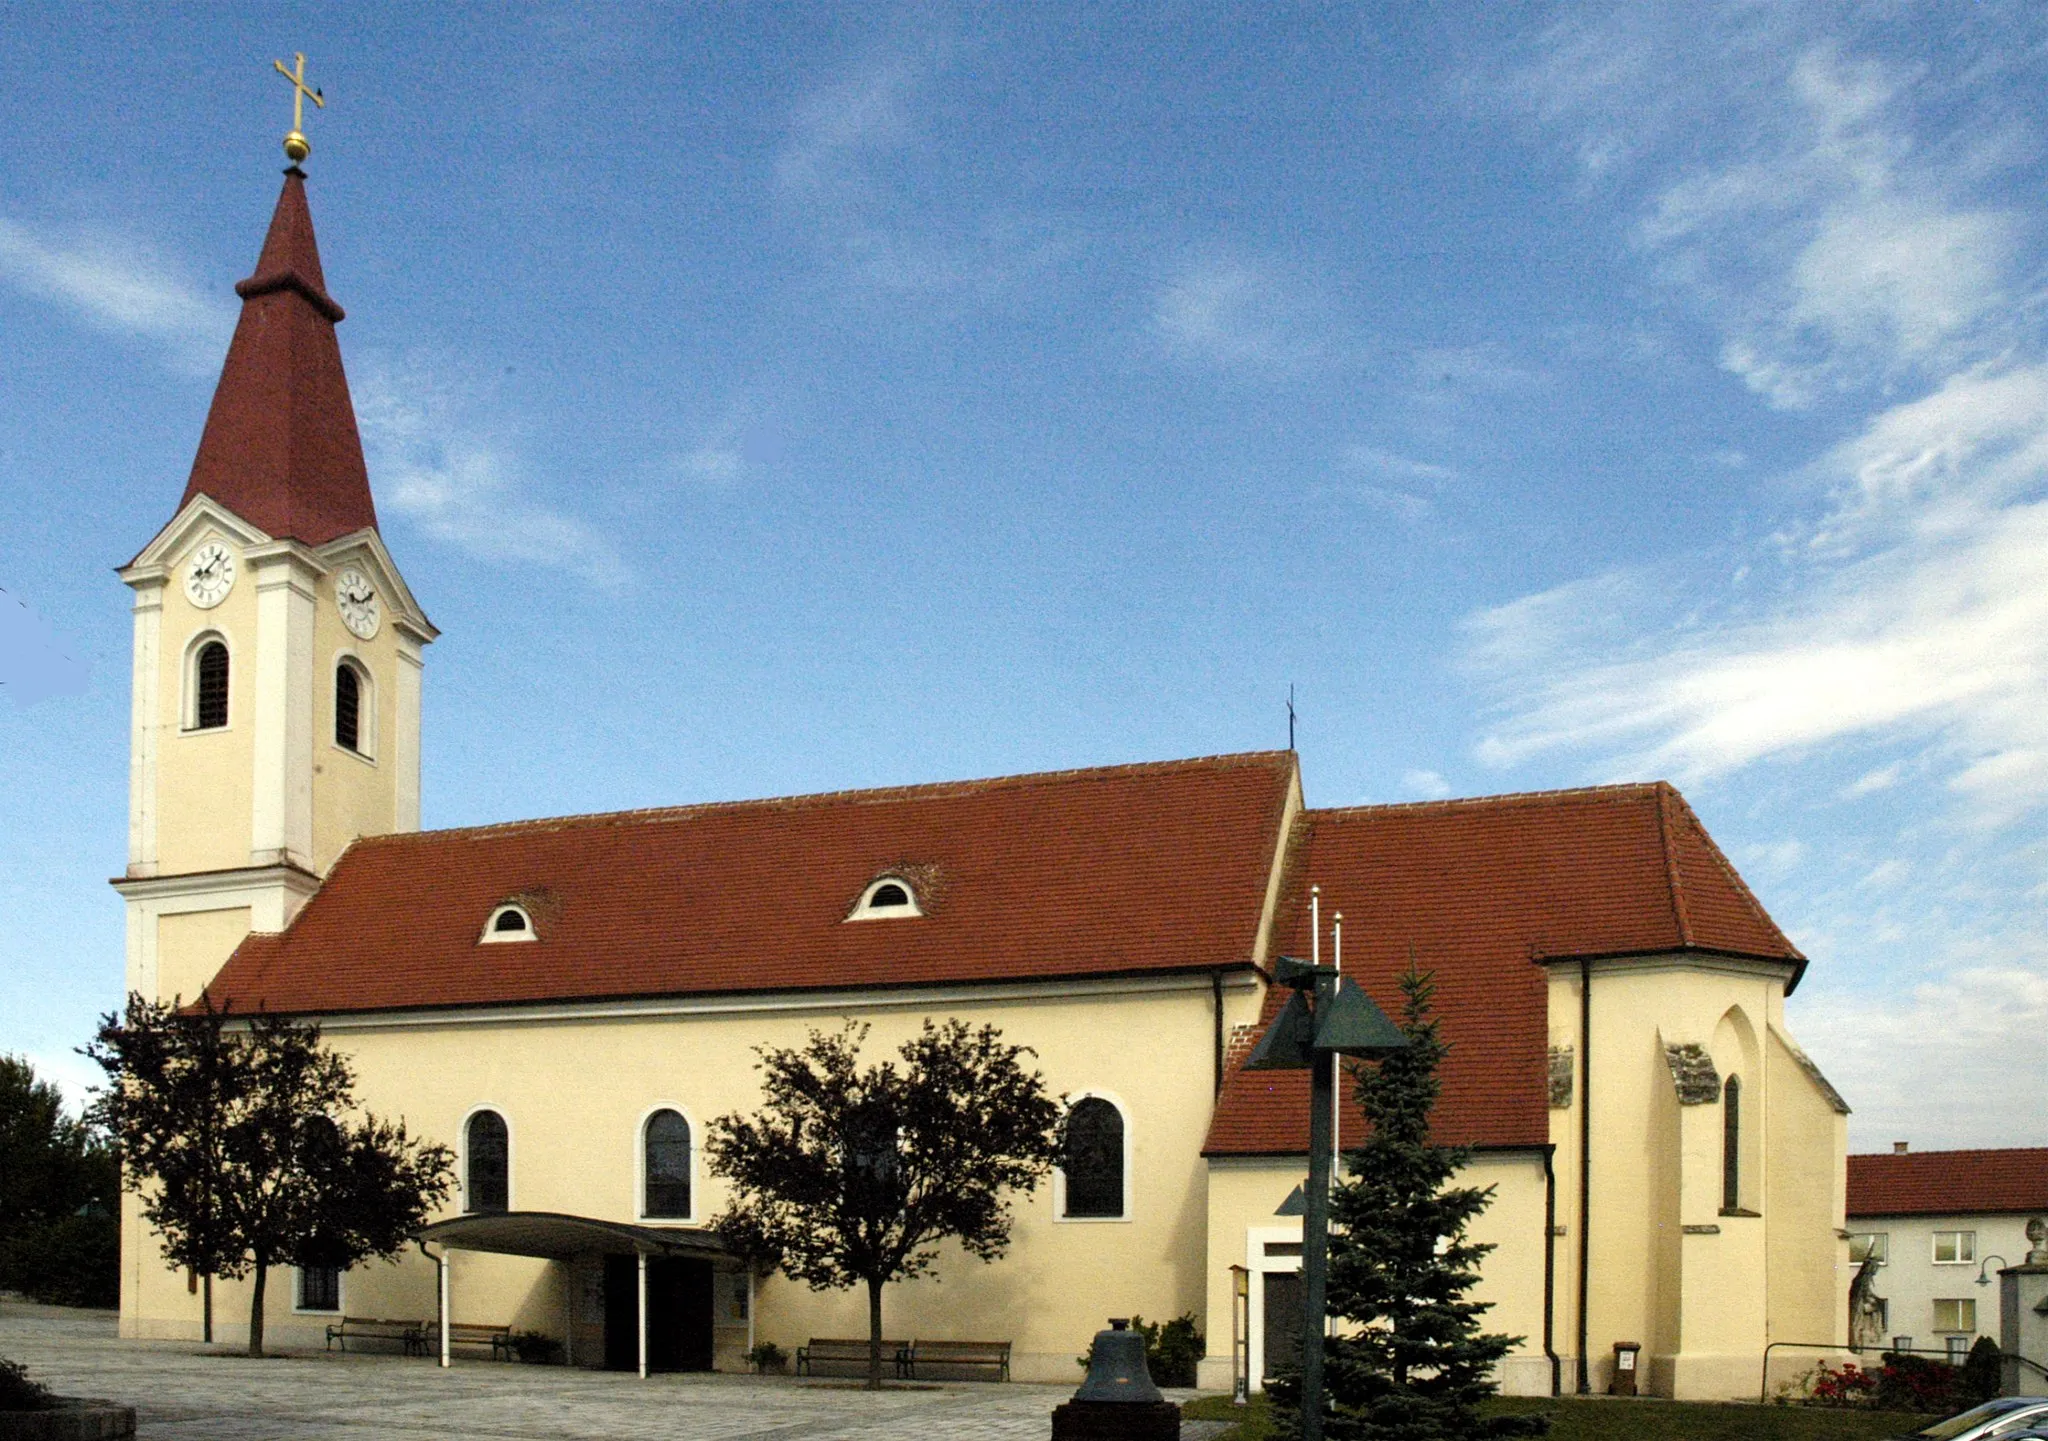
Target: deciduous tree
[[242, 1139], [59, 1190], [851, 1176]]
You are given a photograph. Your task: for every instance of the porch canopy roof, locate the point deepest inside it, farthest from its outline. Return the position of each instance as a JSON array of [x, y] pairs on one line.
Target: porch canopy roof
[[559, 1237]]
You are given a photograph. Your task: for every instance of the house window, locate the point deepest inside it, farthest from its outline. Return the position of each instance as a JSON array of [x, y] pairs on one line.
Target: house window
[[488, 1176], [1868, 1246], [319, 1288], [886, 898], [1955, 1316], [1958, 1349], [210, 687], [1955, 1248], [1094, 1161], [1731, 1144], [665, 1154], [348, 705]]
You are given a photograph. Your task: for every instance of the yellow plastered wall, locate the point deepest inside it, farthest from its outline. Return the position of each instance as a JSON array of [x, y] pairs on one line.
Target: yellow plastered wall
[[205, 779], [1702, 1290], [353, 792], [192, 945], [574, 1094], [1246, 1193]]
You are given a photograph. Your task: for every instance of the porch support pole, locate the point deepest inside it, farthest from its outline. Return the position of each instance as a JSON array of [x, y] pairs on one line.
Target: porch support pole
[[643, 1314], [443, 1261]]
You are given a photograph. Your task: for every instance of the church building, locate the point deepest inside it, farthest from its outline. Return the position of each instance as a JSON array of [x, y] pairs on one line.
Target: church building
[[569, 1002]]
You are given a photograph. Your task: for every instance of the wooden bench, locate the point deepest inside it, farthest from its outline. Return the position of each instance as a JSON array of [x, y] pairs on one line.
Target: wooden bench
[[468, 1333], [959, 1353], [409, 1334], [836, 1350]]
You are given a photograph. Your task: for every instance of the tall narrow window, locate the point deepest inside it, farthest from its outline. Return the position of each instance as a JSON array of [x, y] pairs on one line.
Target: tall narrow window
[[488, 1173], [1094, 1160], [666, 1153], [1731, 1144], [210, 687], [319, 1288], [348, 707]]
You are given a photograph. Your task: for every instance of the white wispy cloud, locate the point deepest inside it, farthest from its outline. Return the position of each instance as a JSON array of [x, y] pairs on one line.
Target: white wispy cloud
[[1425, 785], [121, 285], [437, 460], [1231, 311]]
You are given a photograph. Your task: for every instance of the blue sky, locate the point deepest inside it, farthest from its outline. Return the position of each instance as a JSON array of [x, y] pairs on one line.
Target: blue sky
[[772, 399]]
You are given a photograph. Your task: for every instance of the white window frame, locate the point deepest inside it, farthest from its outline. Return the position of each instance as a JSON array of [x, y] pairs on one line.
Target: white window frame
[[640, 1165], [366, 705], [1960, 1259], [299, 1308], [188, 704], [864, 908], [1967, 1313], [1059, 1173], [492, 936], [1882, 1246], [462, 1156]]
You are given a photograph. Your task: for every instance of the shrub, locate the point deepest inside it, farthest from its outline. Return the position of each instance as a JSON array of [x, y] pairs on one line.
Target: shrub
[[1981, 1372], [18, 1393], [536, 1346], [1915, 1383], [768, 1357], [74, 1261], [1171, 1349], [1850, 1386]]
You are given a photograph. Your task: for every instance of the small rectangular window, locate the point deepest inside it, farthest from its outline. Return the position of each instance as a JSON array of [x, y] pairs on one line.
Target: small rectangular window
[[1870, 1245], [1954, 1316], [319, 1288], [1955, 1248]]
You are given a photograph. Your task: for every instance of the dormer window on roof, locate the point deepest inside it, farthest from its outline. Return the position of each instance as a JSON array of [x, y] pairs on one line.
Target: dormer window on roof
[[508, 923], [886, 898]]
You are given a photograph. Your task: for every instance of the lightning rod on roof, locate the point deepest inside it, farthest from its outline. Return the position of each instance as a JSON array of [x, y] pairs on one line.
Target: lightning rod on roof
[[1290, 715]]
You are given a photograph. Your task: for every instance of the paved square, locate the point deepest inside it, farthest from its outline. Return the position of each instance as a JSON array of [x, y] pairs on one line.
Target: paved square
[[184, 1393]]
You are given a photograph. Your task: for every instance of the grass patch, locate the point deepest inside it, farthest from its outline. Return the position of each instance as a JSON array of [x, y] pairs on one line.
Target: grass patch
[[1598, 1419]]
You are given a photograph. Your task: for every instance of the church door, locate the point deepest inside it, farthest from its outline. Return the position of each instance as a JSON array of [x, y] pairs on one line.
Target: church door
[[1283, 1300], [678, 1314]]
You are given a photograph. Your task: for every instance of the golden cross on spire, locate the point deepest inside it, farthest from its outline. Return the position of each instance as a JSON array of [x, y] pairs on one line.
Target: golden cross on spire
[[296, 146]]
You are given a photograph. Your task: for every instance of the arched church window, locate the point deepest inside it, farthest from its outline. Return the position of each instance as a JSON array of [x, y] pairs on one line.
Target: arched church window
[[665, 1152], [487, 1177], [210, 687], [1731, 1144], [1093, 1164], [348, 707]]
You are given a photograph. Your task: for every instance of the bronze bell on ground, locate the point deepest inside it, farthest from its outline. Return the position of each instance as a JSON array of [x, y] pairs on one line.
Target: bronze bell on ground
[[1118, 1401]]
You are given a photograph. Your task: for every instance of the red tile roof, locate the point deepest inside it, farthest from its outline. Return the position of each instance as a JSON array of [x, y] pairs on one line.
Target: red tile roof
[[1478, 891], [1949, 1183], [280, 447], [1126, 869]]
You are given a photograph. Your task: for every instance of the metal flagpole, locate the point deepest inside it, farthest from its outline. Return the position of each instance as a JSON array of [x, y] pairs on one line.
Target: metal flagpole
[[643, 1314]]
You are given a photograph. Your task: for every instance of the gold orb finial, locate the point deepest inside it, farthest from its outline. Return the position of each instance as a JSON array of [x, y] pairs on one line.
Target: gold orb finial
[[296, 146]]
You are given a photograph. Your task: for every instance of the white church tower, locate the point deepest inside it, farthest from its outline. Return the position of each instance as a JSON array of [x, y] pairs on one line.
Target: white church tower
[[278, 652]]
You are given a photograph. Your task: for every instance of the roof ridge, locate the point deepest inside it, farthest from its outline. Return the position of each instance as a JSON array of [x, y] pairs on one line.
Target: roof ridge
[[1623, 790], [649, 815], [1959, 1151], [1679, 914]]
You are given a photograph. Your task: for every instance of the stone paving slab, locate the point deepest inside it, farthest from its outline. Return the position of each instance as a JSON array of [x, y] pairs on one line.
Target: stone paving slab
[[185, 1392]]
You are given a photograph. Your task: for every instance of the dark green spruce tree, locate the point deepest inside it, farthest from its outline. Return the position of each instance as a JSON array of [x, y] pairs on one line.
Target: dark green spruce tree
[[1410, 1362]]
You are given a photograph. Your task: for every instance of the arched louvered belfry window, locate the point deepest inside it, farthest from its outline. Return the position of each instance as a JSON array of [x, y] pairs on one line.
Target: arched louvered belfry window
[[1731, 1144], [1094, 1161], [665, 1155], [487, 1176], [210, 687], [348, 707]]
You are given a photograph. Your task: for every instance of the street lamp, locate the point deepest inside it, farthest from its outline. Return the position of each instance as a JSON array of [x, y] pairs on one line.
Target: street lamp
[[1327, 1017]]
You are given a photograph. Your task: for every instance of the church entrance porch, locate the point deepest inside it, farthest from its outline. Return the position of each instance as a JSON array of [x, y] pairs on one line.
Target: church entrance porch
[[640, 1298]]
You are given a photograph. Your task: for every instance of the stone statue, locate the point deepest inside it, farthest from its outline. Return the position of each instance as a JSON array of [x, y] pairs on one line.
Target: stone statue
[[1866, 1309]]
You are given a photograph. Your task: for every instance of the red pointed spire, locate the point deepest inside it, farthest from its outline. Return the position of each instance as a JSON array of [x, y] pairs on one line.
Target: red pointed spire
[[280, 447]]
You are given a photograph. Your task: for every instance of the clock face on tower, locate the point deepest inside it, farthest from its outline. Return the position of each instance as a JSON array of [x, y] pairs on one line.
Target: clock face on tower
[[210, 575], [358, 601]]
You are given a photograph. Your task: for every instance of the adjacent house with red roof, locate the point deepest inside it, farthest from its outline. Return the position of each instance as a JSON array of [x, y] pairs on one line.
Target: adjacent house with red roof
[[1935, 1227], [570, 1002]]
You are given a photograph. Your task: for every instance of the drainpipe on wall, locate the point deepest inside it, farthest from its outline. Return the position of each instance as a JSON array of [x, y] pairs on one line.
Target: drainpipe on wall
[[1585, 1158], [1550, 1268]]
